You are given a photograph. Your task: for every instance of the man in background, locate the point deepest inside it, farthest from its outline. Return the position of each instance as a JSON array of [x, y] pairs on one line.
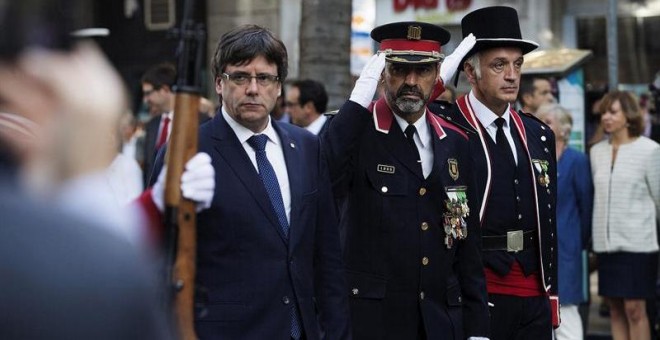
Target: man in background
[[534, 92], [307, 101]]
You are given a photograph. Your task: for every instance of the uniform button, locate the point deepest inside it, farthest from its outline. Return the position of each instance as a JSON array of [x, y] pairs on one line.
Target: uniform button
[[355, 291], [543, 138], [548, 191], [550, 264], [285, 300], [542, 127], [425, 260], [460, 299], [422, 191], [520, 216], [552, 235], [518, 198], [421, 295], [549, 206], [425, 226], [515, 181], [546, 150], [550, 220], [383, 189]]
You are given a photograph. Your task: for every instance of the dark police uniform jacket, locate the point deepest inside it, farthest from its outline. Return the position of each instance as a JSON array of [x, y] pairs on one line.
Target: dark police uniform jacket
[[535, 143], [401, 274]]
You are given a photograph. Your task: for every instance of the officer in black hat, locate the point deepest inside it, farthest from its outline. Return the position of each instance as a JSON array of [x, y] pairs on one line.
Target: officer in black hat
[[402, 177], [515, 170]]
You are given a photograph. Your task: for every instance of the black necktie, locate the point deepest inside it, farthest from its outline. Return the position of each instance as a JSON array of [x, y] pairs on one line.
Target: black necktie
[[410, 134], [502, 143], [268, 177]]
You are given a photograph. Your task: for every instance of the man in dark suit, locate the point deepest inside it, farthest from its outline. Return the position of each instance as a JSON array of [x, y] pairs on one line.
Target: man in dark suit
[[306, 101], [515, 169], [268, 256], [158, 93], [402, 177]]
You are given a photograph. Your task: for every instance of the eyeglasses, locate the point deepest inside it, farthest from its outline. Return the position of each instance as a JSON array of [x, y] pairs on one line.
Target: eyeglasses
[[241, 79]]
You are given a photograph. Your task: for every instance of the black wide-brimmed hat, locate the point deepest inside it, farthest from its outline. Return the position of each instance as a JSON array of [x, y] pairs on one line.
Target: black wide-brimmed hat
[[495, 26], [411, 42]]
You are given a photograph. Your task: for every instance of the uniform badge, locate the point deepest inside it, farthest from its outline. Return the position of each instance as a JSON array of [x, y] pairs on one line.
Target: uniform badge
[[541, 167], [388, 169], [453, 168], [456, 211]]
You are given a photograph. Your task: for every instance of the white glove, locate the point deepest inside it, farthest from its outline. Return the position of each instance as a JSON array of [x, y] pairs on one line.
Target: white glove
[[197, 183], [365, 86], [451, 63]]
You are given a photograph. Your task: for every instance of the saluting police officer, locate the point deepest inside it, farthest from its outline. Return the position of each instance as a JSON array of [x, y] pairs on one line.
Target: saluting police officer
[[403, 178], [515, 169]]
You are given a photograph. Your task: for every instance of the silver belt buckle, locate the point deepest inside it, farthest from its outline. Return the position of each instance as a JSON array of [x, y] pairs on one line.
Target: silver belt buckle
[[514, 241]]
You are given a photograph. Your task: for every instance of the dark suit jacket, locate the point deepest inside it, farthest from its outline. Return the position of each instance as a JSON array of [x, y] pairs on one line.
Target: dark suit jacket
[[247, 271], [539, 143], [400, 271], [64, 278]]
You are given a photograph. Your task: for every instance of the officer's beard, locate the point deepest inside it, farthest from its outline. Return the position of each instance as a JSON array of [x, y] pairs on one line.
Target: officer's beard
[[404, 106]]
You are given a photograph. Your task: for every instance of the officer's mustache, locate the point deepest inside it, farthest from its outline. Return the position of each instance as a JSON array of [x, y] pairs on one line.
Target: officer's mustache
[[406, 90]]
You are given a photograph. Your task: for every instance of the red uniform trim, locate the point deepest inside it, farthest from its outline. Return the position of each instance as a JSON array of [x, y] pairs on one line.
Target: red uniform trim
[[514, 283], [152, 214], [410, 45]]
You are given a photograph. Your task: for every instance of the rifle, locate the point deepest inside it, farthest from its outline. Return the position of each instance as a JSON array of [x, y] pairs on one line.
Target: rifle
[[180, 214]]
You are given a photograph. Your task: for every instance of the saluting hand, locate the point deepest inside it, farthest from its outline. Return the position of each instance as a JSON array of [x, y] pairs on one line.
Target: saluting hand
[[365, 86], [451, 63]]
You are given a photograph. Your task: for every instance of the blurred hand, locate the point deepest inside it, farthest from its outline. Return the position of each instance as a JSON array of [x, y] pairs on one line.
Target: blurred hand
[[197, 183], [75, 99], [365, 86]]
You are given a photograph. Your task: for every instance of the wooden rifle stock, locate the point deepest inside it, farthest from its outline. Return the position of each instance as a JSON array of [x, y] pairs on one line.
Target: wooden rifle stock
[[180, 213]]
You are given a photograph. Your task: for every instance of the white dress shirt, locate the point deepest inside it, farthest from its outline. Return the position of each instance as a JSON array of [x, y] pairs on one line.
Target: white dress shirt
[[422, 140], [316, 126], [273, 152], [487, 119]]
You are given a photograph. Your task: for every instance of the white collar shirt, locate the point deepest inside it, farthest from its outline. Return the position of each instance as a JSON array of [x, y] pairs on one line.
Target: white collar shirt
[[487, 119], [273, 152], [422, 140]]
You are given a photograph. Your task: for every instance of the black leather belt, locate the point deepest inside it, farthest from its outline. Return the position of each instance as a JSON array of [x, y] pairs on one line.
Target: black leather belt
[[514, 241]]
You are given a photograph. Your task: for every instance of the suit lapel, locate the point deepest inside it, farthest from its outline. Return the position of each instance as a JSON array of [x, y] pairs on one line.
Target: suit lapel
[[234, 155]]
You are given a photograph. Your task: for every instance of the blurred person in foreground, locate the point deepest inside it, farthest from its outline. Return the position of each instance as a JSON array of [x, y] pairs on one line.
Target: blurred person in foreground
[[63, 276], [626, 202], [574, 209], [268, 255], [402, 177], [515, 169]]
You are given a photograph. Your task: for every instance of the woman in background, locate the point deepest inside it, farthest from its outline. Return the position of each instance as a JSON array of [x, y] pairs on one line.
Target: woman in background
[[574, 206], [626, 174]]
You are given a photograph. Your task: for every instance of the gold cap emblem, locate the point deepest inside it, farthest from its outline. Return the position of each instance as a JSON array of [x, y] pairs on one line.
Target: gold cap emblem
[[414, 32]]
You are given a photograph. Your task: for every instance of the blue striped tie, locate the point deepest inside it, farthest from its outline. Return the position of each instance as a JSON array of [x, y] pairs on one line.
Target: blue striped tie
[[269, 179]]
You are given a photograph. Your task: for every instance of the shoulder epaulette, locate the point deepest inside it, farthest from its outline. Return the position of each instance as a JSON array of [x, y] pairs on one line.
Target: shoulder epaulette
[[529, 115], [449, 120]]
